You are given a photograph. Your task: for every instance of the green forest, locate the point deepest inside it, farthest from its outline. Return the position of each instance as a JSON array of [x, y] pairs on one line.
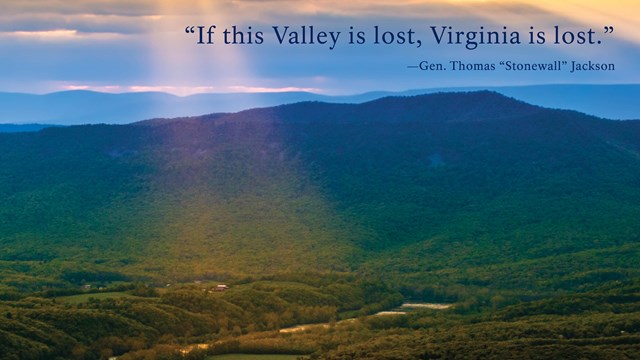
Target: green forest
[[524, 219]]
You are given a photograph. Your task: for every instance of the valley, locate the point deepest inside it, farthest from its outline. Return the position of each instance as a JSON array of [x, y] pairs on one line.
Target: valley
[[114, 237]]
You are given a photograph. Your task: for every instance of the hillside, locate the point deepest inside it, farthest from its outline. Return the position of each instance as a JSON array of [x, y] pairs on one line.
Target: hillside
[[464, 190], [113, 237]]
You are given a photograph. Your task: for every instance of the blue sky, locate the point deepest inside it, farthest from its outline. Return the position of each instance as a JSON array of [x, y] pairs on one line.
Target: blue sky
[[114, 46]]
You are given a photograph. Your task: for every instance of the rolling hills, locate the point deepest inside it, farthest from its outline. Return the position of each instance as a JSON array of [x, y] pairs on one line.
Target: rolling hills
[[525, 218]]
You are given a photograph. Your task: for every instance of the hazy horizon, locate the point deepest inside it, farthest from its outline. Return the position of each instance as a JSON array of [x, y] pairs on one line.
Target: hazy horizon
[[75, 107], [373, 90]]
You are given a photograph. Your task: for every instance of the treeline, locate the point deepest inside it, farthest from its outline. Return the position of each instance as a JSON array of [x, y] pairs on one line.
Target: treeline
[[601, 324], [50, 328]]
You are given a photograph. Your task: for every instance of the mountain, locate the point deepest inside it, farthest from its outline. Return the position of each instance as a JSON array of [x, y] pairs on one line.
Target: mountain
[[113, 238], [455, 190], [606, 101], [12, 128], [86, 107]]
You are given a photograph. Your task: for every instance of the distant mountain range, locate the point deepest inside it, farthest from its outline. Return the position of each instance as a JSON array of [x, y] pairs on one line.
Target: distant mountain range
[[456, 190], [13, 128], [85, 107]]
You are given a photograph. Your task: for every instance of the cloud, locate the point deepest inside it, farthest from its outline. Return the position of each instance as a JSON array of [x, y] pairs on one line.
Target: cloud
[[94, 19], [183, 90], [141, 45], [86, 23], [398, 9], [99, 7], [59, 35], [258, 89], [176, 90], [100, 88]]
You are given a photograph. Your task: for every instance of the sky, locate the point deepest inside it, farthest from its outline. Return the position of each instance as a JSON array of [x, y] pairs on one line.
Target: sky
[[124, 46]]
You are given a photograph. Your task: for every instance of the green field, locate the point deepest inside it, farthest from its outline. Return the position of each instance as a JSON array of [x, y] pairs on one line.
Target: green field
[[83, 298]]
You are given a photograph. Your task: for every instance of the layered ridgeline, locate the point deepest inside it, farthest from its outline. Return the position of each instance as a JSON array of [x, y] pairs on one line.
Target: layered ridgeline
[[28, 112], [445, 195]]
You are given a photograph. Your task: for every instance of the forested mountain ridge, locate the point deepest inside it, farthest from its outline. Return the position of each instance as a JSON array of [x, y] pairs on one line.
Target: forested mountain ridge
[[524, 217], [471, 179]]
